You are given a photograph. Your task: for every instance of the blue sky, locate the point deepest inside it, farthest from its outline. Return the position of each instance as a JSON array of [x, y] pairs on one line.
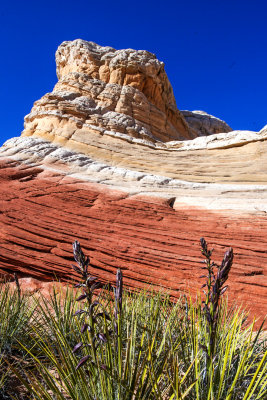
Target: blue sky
[[215, 52]]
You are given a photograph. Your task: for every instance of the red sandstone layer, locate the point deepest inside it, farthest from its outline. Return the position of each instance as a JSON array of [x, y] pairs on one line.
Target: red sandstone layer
[[42, 213]]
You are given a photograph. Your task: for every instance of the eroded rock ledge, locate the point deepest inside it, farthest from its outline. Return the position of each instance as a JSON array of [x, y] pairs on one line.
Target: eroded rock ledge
[[203, 124]]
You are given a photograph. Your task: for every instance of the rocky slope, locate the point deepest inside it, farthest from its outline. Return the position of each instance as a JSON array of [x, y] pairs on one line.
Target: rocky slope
[[105, 159]]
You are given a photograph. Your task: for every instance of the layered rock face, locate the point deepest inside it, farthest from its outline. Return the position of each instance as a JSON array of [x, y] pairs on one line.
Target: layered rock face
[[43, 211], [106, 159]]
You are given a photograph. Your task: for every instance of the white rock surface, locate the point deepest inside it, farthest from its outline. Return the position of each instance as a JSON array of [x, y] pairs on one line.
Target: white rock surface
[[203, 124], [220, 140]]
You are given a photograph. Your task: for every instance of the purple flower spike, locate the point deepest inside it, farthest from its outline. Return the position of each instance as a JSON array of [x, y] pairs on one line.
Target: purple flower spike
[[77, 347], [102, 337], [81, 297], [84, 328], [79, 312], [82, 361]]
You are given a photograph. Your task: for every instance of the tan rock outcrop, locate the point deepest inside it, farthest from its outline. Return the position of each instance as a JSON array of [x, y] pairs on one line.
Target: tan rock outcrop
[[95, 110], [104, 90]]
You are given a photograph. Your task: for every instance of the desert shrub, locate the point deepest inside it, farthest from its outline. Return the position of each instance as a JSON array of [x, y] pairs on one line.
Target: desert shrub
[[125, 346]]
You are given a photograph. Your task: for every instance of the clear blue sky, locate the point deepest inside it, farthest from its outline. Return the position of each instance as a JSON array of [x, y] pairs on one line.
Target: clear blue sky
[[215, 52]]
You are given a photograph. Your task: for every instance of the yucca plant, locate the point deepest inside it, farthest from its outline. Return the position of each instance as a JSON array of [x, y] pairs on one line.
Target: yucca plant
[[99, 345], [121, 349], [15, 315], [231, 357], [214, 289], [128, 361]]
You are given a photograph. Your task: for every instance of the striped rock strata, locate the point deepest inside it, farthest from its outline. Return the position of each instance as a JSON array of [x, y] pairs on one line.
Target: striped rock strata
[[136, 199]]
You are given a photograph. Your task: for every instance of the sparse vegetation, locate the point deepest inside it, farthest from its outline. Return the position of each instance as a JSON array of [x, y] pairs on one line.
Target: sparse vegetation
[[94, 344]]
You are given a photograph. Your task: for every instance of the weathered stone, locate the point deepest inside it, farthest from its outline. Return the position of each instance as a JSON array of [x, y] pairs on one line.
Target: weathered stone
[[203, 124], [101, 88]]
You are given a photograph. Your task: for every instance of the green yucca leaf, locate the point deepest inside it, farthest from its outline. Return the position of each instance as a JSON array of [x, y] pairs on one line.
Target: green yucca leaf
[[254, 381]]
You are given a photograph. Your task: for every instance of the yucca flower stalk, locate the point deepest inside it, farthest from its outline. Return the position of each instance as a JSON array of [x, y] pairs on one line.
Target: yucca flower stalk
[[118, 326], [118, 297], [89, 285], [18, 288], [214, 290]]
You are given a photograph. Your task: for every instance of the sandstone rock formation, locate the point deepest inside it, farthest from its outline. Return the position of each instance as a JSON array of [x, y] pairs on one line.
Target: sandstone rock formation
[[43, 211], [106, 90], [203, 124], [213, 171], [99, 161]]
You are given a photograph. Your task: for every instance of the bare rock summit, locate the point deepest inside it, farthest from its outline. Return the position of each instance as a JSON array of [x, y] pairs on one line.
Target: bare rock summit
[[106, 90]]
